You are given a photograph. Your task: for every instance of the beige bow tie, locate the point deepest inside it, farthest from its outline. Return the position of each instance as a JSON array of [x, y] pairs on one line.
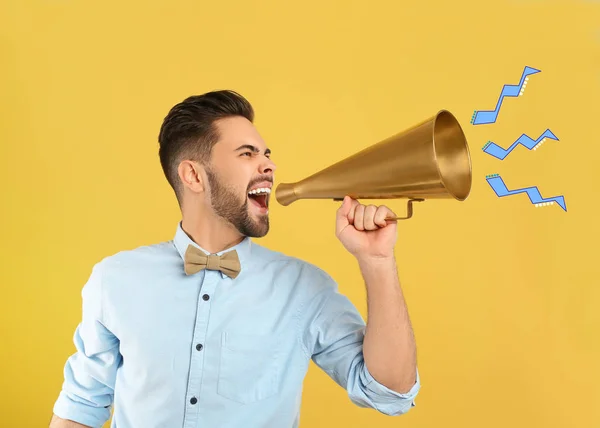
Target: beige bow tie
[[195, 260]]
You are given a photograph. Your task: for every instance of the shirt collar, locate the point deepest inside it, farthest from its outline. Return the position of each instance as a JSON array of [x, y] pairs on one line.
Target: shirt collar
[[182, 241]]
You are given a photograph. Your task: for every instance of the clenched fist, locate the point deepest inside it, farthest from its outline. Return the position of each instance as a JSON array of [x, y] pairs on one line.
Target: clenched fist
[[363, 230]]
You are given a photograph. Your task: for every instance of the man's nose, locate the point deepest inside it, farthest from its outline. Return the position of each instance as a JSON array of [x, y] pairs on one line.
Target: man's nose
[[267, 166]]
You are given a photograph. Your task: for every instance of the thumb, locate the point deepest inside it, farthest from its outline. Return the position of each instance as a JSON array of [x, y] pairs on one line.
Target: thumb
[[344, 209]]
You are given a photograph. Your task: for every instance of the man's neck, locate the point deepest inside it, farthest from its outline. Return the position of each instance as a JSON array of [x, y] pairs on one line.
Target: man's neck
[[211, 234]]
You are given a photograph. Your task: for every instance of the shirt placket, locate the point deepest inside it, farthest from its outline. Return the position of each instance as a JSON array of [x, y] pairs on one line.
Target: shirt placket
[[196, 371]]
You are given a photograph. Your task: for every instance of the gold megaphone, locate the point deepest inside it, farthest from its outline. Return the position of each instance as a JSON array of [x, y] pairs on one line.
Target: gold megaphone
[[431, 160]]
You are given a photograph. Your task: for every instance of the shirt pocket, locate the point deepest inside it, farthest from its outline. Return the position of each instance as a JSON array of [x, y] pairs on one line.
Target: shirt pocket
[[250, 367]]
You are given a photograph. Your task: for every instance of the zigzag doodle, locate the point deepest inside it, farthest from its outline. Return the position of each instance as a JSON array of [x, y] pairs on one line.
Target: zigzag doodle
[[497, 184], [498, 152], [485, 117]]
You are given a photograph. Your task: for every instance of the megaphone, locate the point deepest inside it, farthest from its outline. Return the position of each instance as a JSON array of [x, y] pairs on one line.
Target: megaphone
[[430, 160]]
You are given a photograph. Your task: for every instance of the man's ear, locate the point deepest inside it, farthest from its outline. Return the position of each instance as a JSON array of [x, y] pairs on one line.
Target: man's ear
[[191, 175]]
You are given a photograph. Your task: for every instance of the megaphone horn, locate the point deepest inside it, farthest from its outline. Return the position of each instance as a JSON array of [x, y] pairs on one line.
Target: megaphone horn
[[430, 160]]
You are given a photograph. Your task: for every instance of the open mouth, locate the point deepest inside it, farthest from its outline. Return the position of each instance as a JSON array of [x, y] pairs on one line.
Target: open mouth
[[260, 197]]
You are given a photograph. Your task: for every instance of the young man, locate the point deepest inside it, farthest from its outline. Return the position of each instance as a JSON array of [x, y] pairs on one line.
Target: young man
[[176, 336]]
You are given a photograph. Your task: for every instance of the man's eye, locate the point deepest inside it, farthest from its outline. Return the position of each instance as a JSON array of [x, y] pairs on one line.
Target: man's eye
[[247, 153]]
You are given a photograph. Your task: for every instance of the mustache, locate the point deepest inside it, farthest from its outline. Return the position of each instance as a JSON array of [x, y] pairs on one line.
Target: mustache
[[260, 180]]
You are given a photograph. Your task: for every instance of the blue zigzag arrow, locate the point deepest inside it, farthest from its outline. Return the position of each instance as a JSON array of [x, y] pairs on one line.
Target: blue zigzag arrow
[[498, 152], [497, 184], [483, 117]]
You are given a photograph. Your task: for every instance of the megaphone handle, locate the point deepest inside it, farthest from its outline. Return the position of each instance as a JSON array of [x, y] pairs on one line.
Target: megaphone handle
[[409, 210]]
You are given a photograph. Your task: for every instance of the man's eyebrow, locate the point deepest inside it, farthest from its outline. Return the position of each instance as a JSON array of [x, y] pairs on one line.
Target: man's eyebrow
[[253, 148]]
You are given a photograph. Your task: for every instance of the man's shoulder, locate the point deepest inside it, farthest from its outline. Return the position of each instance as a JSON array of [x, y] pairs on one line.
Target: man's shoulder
[[293, 265], [142, 257]]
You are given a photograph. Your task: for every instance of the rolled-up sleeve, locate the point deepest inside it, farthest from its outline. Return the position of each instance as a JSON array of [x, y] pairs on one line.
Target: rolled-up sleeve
[[89, 374], [333, 334], [365, 391]]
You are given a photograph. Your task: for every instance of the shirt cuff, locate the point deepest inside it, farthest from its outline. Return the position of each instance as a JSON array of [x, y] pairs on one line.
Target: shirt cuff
[[386, 400], [76, 411]]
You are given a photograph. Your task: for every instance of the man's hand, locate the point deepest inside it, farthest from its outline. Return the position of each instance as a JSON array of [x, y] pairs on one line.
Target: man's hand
[[363, 230]]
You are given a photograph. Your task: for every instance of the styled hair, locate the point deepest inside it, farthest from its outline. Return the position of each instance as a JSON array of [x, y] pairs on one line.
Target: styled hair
[[188, 132]]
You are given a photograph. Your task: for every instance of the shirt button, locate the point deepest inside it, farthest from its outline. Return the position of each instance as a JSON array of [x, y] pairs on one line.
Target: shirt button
[[199, 347], [206, 297], [194, 400]]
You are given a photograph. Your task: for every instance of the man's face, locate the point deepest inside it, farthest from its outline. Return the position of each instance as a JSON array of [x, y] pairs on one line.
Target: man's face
[[240, 177]]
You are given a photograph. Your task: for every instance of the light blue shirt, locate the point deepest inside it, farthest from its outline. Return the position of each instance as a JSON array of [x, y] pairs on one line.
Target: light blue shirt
[[174, 350]]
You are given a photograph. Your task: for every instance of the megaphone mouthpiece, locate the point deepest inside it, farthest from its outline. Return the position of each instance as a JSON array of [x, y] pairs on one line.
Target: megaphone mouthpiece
[[285, 194]]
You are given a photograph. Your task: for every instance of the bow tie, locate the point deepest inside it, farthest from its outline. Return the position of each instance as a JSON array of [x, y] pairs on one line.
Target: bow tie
[[195, 260]]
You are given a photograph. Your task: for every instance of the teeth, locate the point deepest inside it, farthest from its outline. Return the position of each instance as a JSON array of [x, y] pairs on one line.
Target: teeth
[[259, 191]]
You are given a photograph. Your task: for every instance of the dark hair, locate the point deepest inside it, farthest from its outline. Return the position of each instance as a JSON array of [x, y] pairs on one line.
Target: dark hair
[[188, 131]]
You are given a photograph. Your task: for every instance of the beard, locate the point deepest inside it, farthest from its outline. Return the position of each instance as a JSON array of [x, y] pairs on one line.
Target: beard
[[226, 204]]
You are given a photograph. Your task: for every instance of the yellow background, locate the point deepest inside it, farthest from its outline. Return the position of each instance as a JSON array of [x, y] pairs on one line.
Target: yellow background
[[504, 297]]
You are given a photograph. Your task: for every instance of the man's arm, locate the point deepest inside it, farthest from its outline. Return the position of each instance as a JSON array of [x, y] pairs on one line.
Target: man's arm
[[57, 422], [389, 344], [375, 363], [90, 373]]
